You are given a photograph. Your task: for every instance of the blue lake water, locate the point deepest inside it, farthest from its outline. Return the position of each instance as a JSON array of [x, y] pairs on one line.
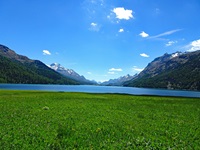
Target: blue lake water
[[100, 89]]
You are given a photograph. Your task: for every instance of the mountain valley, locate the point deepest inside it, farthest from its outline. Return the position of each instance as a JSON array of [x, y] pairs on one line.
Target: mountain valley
[[170, 71]]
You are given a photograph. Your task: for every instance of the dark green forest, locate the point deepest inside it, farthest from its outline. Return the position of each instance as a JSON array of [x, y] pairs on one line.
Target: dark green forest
[[35, 72], [183, 76]]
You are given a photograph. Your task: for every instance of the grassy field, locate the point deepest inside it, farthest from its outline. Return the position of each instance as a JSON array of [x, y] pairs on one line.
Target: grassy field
[[53, 120]]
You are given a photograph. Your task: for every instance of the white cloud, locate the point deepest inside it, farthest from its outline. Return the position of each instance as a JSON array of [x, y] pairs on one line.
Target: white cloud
[[143, 34], [89, 72], [93, 24], [170, 43], [194, 46], [144, 55], [115, 69], [122, 13], [111, 72], [121, 30], [46, 52], [135, 68], [94, 27], [166, 33]]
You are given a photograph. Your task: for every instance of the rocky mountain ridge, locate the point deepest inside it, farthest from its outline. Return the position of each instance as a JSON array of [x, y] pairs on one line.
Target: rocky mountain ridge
[[70, 73], [171, 71], [8, 53], [119, 81]]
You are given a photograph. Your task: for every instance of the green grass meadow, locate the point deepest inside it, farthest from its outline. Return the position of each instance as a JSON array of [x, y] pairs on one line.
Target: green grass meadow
[[57, 120]]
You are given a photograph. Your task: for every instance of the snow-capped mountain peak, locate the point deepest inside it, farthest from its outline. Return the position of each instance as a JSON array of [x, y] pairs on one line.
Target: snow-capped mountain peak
[[119, 81], [69, 73], [55, 66], [176, 54]]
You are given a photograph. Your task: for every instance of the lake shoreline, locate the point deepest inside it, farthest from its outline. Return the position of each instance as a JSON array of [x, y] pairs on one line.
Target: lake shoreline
[[101, 89], [120, 94]]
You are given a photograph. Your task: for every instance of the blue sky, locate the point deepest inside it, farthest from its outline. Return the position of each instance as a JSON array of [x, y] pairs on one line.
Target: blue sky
[[100, 39]]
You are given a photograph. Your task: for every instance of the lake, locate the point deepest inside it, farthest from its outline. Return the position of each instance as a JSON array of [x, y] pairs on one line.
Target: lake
[[100, 89]]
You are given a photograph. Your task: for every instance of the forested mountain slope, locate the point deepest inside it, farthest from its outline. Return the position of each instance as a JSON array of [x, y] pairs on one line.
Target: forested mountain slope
[[20, 69], [175, 71]]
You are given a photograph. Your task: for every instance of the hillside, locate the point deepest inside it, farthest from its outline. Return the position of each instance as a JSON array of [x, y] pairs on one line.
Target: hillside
[[20, 69], [175, 71]]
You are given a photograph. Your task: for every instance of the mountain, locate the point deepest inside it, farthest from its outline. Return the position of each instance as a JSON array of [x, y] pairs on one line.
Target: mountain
[[70, 74], [119, 81], [171, 71], [20, 69]]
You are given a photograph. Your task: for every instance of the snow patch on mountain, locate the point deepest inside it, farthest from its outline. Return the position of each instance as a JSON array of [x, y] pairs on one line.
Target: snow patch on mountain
[[70, 73], [119, 81], [176, 54]]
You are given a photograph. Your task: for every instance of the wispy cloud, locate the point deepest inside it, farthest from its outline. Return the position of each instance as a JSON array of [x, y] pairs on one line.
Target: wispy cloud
[[94, 27], [115, 69], [122, 13], [165, 33], [89, 73], [144, 55], [111, 72], [143, 34], [46, 52], [194, 46], [94, 10], [136, 69], [157, 11], [170, 43], [93, 6]]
